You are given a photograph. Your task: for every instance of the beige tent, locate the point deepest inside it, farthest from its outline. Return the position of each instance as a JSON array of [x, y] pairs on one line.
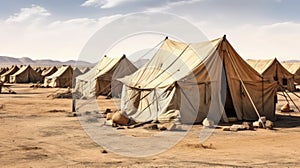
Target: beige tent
[[49, 71], [294, 68], [3, 70], [61, 78], [6, 76], [76, 72], [272, 70], [101, 80], [25, 75], [190, 78]]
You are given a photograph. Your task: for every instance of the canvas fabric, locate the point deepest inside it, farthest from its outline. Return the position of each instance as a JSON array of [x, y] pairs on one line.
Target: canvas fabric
[[25, 75], [272, 70], [181, 77]]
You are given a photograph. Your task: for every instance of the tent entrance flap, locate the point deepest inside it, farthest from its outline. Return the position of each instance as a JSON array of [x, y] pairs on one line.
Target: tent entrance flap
[[229, 107]]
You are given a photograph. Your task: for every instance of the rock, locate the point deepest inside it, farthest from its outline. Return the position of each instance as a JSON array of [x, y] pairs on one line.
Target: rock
[[236, 128], [109, 116], [103, 151], [207, 123], [285, 108], [269, 125], [226, 129], [120, 118], [257, 124], [108, 122], [248, 125]]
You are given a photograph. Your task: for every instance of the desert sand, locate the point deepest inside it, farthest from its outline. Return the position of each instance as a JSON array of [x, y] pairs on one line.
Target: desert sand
[[38, 131]]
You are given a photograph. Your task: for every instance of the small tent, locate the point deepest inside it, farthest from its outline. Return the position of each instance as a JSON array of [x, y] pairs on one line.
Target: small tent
[[61, 78], [189, 78], [101, 80], [85, 70], [6, 76], [76, 72], [26, 75], [3, 70], [294, 68], [272, 70], [49, 71]]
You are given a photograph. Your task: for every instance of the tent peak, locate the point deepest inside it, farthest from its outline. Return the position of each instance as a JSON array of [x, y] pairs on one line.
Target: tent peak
[[166, 38]]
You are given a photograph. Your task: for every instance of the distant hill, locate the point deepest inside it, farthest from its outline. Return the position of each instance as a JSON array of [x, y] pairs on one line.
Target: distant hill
[[292, 61], [8, 61]]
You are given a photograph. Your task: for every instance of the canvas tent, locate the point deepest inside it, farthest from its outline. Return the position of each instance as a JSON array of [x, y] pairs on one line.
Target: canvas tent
[[6, 76], [101, 79], [61, 78], [85, 70], [272, 70], [3, 70], [25, 75], [49, 71], [190, 78], [294, 68], [76, 72]]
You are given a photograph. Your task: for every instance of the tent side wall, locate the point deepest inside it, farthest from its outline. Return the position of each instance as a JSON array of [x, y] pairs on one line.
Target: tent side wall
[[6, 76], [26, 76], [261, 92], [61, 78], [276, 72]]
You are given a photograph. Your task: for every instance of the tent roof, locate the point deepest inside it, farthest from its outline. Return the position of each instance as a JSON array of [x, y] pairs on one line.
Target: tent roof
[[292, 67], [261, 65], [60, 71], [104, 65], [11, 70], [173, 61], [22, 70], [47, 71]]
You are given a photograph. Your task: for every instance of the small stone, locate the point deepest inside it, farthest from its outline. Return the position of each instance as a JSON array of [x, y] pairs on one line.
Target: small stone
[[103, 151], [226, 129], [248, 125], [207, 123], [269, 125], [257, 124]]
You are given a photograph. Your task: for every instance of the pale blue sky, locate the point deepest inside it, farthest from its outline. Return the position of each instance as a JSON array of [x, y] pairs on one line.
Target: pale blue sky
[[58, 29]]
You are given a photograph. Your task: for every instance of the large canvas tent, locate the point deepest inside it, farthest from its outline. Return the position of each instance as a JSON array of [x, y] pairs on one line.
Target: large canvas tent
[[190, 78], [61, 78], [101, 79], [272, 70], [6, 76], [294, 68], [25, 75]]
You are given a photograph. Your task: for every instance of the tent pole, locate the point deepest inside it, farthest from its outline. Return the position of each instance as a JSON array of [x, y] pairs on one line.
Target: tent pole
[[243, 85]]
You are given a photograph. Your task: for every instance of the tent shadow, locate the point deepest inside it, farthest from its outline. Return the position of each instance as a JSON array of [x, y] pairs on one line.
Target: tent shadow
[[285, 121]]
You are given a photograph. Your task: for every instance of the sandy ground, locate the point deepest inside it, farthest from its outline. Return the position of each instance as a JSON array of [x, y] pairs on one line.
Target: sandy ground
[[37, 131]]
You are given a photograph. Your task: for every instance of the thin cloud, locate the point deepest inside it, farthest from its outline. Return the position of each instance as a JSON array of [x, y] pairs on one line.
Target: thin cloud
[[105, 4], [33, 13]]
